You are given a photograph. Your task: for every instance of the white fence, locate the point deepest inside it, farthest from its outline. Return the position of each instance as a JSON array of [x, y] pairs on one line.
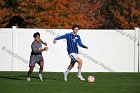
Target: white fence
[[109, 50]]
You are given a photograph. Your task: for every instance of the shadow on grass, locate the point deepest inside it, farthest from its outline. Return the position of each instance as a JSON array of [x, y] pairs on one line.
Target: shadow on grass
[[12, 78], [23, 77]]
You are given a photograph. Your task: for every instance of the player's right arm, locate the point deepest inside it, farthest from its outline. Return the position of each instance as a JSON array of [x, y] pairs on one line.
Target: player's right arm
[[60, 37]]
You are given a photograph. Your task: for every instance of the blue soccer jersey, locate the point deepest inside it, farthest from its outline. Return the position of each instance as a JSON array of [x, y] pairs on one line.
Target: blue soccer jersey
[[72, 42]]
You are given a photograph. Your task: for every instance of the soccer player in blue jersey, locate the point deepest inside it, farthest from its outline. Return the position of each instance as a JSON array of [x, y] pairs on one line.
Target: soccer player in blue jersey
[[73, 40]]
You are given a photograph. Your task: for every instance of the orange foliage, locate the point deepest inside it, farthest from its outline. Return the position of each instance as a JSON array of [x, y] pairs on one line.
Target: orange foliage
[[64, 13]]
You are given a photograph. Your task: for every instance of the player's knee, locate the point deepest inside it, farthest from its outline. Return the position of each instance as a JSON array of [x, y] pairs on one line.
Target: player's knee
[[31, 69], [80, 62], [71, 66], [72, 63], [41, 67]]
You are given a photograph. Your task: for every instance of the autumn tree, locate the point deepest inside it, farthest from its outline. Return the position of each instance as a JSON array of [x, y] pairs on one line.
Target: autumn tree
[[89, 14], [122, 14]]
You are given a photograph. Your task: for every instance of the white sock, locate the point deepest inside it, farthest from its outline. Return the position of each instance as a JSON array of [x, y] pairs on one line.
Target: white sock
[[79, 71], [67, 71]]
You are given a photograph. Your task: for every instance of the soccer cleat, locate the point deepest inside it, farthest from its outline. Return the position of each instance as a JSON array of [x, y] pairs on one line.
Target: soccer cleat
[[80, 77], [28, 79], [40, 77], [65, 76]]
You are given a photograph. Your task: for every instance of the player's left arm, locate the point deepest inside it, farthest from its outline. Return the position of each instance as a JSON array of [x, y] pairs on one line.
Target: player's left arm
[[81, 44], [43, 42]]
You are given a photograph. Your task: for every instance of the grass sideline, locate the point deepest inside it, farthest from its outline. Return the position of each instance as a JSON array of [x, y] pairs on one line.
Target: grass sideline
[[15, 82]]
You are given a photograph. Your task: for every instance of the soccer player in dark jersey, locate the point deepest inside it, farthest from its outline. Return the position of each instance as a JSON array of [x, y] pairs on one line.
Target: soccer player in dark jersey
[[73, 40], [36, 55]]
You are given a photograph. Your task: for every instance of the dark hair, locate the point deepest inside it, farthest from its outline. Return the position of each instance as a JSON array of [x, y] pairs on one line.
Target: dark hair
[[36, 34], [74, 26]]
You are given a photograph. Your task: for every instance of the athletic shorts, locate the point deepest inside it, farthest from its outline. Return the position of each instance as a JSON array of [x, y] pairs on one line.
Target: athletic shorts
[[73, 57], [35, 59]]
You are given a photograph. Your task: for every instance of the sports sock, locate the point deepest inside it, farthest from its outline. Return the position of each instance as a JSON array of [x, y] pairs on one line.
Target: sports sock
[[40, 72], [79, 71], [67, 71]]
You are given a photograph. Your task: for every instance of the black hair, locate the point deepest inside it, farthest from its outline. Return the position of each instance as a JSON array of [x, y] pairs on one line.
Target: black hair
[[36, 34], [74, 26]]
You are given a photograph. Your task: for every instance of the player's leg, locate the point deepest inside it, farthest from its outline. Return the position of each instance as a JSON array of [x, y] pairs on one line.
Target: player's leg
[[31, 65], [72, 63], [41, 64], [79, 61], [30, 72], [70, 67]]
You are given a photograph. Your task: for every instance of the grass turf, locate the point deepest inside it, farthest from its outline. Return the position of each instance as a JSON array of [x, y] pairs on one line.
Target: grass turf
[[15, 82]]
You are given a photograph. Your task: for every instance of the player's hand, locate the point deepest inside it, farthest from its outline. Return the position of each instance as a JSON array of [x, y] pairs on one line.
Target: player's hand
[[86, 47], [45, 48], [54, 41], [45, 44]]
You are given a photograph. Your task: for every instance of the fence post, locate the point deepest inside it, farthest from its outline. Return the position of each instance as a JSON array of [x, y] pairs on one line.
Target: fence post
[[13, 45], [138, 43]]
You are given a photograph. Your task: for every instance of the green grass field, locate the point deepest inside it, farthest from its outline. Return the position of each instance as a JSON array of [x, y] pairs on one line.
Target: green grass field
[[15, 82]]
